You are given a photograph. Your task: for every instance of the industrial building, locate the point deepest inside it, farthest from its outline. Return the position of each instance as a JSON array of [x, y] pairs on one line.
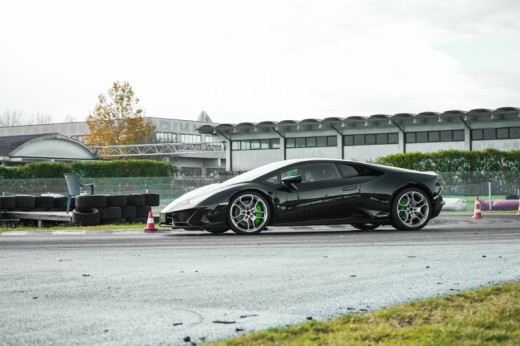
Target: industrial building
[[178, 141], [202, 147], [249, 145]]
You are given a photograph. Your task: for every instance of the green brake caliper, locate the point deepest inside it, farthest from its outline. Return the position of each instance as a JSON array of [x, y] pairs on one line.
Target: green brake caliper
[[402, 206], [259, 214]]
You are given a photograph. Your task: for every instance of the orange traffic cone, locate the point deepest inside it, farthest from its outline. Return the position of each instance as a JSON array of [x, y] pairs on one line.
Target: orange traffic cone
[[150, 223], [477, 214], [518, 212]]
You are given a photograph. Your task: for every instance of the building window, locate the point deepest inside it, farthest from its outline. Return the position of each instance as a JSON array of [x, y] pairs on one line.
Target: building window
[[191, 171], [256, 144], [185, 138], [371, 139], [165, 137], [310, 142], [514, 132], [496, 133], [503, 133], [435, 136], [490, 134]]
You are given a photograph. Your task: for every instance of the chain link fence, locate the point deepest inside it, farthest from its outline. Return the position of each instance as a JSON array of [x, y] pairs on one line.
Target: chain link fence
[[489, 185]]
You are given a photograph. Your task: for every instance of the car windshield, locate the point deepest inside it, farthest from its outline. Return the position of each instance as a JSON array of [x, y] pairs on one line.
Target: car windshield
[[257, 172]]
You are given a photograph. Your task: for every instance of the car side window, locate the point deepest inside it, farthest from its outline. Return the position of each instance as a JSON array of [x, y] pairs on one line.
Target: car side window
[[347, 171], [272, 179], [313, 172]]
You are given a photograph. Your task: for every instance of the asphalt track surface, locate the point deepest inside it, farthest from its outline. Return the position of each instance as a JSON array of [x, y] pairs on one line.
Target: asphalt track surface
[[112, 288]]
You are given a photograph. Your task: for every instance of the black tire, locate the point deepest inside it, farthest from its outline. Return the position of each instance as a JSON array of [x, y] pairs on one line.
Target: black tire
[[24, 202], [365, 226], [109, 213], [136, 199], [86, 217], [411, 209], [142, 211], [60, 203], [116, 201], [7, 202], [128, 212], [91, 201], [44, 202], [245, 209], [217, 231], [152, 199]]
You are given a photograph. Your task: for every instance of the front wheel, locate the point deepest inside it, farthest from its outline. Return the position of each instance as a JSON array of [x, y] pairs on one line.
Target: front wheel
[[248, 213], [411, 210]]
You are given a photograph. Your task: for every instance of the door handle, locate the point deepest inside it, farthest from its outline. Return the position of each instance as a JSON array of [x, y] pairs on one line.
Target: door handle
[[349, 188]]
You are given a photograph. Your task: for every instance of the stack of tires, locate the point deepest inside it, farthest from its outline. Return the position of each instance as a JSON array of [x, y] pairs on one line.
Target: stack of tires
[[33, 203], [91, 210]]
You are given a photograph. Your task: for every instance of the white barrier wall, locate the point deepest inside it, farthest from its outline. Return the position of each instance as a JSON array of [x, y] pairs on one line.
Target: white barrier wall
[[434, 146], [321, 152], [364, 153], [244, 160], [500, 144]]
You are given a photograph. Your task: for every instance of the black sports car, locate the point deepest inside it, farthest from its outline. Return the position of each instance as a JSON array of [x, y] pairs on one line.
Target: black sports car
[[310, 192]]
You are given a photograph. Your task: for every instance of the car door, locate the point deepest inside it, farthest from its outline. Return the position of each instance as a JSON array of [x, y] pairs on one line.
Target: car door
[[323, 194]]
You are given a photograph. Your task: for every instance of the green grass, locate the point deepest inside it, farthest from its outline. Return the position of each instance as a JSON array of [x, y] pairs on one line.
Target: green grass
[[489, 316]]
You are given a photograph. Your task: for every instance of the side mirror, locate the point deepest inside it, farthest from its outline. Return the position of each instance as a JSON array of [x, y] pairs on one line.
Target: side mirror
[[288, 183]]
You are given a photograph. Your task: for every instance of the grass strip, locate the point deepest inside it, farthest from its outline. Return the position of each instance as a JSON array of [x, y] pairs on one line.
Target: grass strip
[[488, 316]]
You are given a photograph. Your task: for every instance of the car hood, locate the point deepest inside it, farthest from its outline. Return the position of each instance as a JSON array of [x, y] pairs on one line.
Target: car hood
[[192, 198]]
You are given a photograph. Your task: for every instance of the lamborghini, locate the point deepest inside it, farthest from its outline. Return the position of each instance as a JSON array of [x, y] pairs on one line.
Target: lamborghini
[[310, 192]]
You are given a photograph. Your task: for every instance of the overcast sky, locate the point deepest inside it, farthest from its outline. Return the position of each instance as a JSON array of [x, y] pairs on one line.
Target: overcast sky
[[260, 60]]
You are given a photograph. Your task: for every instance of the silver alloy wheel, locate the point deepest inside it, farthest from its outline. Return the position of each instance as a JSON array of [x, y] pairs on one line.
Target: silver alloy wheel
[[413, 208], [249, 213]]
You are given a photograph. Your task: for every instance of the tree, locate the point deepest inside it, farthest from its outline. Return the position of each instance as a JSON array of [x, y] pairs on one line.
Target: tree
[[117, 119], [11, 118]]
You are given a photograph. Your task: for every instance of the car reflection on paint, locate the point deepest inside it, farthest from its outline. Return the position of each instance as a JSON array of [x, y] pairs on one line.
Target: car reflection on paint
[[310, 192]]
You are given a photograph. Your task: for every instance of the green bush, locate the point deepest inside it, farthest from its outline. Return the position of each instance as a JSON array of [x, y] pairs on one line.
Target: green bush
[[488, 160], [90, 169]]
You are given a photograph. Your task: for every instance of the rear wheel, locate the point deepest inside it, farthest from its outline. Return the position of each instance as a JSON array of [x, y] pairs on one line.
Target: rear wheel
[[411, 209], [248, 213], [365, 226]]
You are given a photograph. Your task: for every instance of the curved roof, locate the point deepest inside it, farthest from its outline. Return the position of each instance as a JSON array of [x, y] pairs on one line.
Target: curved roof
[[400, 118], [48, 146]]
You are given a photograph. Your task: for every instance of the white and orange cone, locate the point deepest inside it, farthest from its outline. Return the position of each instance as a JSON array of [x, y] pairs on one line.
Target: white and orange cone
[[477, 214], [518, 212], [150, 223]]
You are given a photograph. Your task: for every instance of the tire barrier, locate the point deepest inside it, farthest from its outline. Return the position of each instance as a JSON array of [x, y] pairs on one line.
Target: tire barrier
[[91, 201], [136, 199], [116, 201], [109, 213], [129, 212], [60, 203], [152, 199], [88, 210], [8, 202], [86, 217], [43, 202], [142, 212], [24, 202]]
